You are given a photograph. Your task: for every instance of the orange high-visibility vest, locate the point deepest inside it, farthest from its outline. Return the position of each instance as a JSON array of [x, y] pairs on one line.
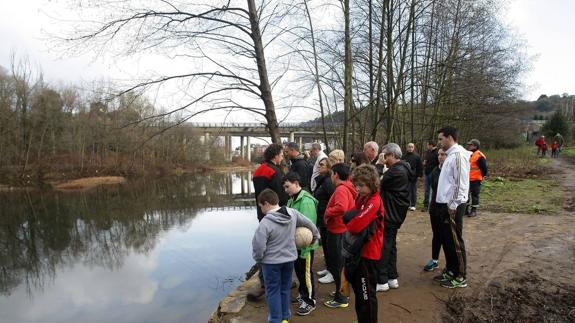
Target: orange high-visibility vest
[[475, 172]]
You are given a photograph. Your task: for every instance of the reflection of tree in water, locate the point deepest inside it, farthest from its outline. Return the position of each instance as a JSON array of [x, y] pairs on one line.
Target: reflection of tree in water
[[41, 231]]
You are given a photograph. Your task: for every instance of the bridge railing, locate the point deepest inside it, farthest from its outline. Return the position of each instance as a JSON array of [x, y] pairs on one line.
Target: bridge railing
[[245, 125]]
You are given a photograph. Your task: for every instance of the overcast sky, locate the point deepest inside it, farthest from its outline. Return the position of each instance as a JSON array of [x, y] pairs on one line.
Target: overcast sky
[[547, 25]]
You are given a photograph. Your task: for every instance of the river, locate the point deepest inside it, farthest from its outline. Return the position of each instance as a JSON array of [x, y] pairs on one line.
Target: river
[[147, 251]]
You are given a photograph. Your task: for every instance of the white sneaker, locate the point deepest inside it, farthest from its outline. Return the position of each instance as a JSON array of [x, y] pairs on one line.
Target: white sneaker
[[327, 279], [323, 272], [393, 283], [412, 208], [382, 287]]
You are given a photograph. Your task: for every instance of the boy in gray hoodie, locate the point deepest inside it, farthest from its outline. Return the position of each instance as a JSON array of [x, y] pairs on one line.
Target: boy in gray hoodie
[[273, 246]]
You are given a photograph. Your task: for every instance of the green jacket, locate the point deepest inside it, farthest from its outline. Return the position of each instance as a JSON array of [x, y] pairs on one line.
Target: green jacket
[[306, 204]]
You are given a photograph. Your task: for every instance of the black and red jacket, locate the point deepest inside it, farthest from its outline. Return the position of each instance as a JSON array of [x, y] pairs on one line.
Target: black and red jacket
[[369, 208], [269, 175]]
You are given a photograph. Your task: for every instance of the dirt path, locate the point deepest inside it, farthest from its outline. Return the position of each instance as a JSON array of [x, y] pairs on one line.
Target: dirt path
[[520, 269]]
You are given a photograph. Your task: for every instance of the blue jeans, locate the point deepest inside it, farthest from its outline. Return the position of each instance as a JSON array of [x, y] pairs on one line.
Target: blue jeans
[[427, 186], [277, 278]]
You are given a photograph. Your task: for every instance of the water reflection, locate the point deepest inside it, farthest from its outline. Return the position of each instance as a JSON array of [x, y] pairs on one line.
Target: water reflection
[[162, 251]]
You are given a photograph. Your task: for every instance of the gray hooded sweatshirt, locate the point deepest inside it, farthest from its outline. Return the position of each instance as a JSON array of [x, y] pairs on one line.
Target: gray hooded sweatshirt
[[274, 240]]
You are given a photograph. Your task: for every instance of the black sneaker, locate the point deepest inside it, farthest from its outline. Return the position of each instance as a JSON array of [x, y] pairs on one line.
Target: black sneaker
[[304, 309], [455, 283], [431, 265]]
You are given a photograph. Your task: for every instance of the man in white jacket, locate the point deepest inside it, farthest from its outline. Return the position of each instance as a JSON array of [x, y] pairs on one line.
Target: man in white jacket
[[452, 193]]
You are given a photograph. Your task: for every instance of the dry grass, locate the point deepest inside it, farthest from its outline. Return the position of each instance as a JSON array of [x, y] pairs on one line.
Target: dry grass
[[88, 183], [519, 162]]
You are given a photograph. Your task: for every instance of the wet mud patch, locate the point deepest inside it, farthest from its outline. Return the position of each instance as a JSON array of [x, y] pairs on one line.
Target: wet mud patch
[[523, 297]]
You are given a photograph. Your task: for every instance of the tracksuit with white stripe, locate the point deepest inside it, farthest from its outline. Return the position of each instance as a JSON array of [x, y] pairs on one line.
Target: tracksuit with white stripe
[[452, 194]]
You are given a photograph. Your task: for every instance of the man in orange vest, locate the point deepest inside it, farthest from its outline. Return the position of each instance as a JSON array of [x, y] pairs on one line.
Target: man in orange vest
[[477, 172]]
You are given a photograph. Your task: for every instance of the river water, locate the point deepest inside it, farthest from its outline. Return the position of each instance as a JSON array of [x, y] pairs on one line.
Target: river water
[[161, 251]]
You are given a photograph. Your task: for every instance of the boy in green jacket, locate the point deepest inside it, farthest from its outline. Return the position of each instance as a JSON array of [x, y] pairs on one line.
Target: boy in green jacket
[[306, 204]]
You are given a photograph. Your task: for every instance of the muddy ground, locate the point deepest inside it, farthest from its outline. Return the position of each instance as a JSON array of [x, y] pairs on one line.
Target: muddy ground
[[521, 268]]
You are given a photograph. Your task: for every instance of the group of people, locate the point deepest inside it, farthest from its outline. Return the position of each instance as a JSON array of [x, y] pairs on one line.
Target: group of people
[[356, 212], [556, 145]]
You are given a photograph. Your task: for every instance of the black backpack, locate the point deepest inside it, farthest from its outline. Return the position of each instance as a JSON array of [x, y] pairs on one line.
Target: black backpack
[[353, 243]]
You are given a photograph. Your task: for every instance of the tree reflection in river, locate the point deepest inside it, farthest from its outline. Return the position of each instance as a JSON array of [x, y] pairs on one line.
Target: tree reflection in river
[[40, 232]]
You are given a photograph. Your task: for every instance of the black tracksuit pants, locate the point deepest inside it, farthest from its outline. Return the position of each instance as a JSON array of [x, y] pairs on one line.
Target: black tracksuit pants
[[387, 268], [304, 273], [335, 260], [474, 190], [435, 220], [452, 239], [363, 282]]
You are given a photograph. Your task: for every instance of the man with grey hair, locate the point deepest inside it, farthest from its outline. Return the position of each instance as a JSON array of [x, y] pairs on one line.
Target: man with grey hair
[[371, 150], [318, 155], [394, 192]]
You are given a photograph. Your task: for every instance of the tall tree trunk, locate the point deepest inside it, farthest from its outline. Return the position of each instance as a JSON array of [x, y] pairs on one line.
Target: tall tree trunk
[[264, 86], [348, 74]]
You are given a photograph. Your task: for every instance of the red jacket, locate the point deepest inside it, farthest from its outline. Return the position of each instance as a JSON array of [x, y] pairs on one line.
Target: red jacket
[[342, 200], [369, 208], [541, 143]]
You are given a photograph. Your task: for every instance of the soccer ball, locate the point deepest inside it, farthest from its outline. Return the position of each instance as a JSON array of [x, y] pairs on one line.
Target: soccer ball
[[303, 237]]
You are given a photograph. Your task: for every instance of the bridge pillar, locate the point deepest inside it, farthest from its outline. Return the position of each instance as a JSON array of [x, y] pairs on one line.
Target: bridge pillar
[[242, 156], [301, 144], [228, 148], [292, 136], [207, 143], [248, 149]]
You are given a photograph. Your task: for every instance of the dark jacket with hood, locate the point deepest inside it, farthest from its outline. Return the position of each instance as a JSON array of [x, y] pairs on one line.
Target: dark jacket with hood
[[431, 160], [269, 175], [303, 169], [415, 162], [323, 192], [395, 192]]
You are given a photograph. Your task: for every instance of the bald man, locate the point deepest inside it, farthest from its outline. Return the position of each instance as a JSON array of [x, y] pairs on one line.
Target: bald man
[[415, 162]]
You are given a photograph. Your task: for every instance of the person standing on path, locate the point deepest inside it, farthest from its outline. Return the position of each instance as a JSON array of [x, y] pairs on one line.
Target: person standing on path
[[394, 189], [477, 172], [368, 209], [415, 161], [434, 217], [371, 151], [299, 165], [268, 176], [342, 200], [273, 247], [429, 164], [541, 146], [452, 195], [306, 204], [323, 192], [317, 154]]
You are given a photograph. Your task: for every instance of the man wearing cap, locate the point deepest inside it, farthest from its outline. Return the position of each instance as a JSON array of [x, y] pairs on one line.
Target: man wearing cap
[[477, 172]]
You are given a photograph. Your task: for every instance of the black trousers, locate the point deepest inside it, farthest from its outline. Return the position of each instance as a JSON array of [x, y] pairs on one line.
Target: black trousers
[[304, 273], [363, 282], [474, 190], [387, 268], [335, 260], [324, 243], [412, 193], [452, 239], [435, 220]]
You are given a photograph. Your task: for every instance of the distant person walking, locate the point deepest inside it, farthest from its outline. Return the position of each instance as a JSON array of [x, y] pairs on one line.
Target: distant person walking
[[478, 171], [560, 142], [452, 195], [541, 146], [268, 176], [429, 164], [554, 149], [273, 247], [415, 162], [394, 190], [434, 216]]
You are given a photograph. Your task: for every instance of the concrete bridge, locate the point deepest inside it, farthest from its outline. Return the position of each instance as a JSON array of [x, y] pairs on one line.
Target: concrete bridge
[[295, 132]]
